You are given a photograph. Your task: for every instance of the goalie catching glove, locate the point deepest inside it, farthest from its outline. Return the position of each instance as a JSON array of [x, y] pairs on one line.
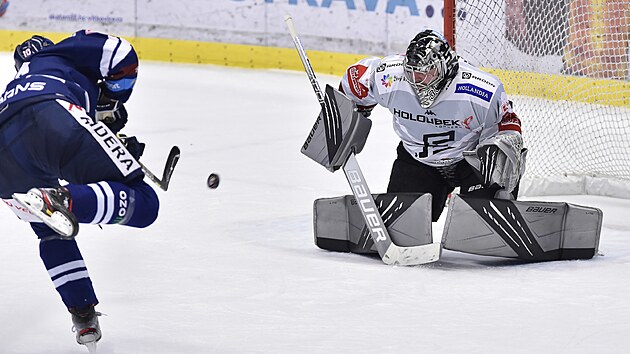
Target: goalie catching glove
[[500, 160]]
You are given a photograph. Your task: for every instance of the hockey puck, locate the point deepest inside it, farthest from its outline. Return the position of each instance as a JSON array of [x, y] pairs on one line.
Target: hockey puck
[[213, 181]]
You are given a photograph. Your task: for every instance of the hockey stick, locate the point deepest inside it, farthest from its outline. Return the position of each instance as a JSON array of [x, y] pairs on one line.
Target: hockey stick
[[307, 64], [171, 161], [389, 252]]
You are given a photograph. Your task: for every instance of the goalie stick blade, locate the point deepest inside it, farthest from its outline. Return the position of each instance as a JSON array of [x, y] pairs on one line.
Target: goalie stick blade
[[408, 256]]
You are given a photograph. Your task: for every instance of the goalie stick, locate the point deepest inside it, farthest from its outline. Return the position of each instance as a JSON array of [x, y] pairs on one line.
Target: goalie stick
[[169, 166], [389, 252]]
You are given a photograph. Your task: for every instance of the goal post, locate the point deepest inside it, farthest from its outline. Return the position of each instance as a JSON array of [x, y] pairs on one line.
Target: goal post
[[564, 64]]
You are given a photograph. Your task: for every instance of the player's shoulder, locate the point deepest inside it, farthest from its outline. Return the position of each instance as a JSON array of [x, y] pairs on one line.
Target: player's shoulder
[[390, 63], [475, 84], [471, 74]]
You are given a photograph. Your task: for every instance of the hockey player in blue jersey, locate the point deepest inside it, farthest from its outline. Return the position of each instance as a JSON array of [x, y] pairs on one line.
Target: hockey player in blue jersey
[[58, 121]]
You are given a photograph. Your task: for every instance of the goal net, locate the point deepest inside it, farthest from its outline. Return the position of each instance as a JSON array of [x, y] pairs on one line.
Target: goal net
[[564, 64]]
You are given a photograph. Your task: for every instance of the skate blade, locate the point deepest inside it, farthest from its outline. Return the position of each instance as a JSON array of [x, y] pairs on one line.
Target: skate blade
[[89, 340], [59, 222], [91, 347]]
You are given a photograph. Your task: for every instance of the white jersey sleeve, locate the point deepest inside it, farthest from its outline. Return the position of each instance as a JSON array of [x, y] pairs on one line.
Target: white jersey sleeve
[[357, 82], [500, 118]]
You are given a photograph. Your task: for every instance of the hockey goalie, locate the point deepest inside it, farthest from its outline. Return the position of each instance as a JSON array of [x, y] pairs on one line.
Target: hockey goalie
[[458, 130]]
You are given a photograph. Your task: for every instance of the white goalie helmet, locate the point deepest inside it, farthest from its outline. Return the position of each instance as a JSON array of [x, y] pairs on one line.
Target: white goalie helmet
[[429, 65]]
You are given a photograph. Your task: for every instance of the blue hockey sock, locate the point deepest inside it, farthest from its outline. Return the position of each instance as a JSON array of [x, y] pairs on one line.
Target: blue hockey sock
[[67, 270], [114, 203]]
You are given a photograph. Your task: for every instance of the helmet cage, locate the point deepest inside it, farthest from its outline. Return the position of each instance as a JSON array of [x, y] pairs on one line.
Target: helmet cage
[[421, 77]]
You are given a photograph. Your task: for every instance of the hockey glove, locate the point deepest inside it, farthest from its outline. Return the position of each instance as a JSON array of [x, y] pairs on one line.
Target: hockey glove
[[133, 145], [366, 111], [112, 113]]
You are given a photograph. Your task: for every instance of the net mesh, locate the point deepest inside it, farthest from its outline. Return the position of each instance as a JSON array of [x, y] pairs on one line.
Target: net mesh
[[565, 66]]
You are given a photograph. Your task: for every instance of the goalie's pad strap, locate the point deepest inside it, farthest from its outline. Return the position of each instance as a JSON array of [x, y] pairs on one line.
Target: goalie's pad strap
[[534, 231]]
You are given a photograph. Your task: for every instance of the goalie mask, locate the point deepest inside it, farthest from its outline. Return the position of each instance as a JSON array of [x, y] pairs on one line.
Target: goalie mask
[[429, 65]]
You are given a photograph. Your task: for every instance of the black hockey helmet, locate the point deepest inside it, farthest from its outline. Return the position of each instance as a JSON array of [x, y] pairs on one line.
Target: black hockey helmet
[[25, 51], [429, 65]]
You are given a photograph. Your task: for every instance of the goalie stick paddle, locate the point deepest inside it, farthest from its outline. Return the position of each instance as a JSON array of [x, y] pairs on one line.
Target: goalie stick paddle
[[169, 167], [389, 252]]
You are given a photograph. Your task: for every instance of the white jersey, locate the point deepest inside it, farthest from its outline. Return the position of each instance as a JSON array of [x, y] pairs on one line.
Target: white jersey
[[472, 108]]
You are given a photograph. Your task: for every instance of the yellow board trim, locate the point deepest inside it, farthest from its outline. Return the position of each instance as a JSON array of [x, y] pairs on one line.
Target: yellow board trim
[[547, 86]]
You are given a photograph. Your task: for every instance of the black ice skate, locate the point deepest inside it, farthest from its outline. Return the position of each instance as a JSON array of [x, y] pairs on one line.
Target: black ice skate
[[88, 331], [52, 206]]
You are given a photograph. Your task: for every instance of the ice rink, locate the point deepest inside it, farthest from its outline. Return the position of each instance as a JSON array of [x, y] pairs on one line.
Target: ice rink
[[235, 270]]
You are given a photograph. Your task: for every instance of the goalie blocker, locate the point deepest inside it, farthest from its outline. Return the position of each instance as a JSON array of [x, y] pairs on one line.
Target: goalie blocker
[[338, 131]]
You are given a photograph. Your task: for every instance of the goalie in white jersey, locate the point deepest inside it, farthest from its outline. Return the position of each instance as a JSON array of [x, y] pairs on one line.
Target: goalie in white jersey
[[442, 107]]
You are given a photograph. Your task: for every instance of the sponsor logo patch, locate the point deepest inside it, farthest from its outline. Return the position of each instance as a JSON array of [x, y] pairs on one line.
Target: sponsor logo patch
[[466, 122], [467, 76], [424, 118], [473, 90], [29, 86], [108, 141], [354, 74], [388, 80]]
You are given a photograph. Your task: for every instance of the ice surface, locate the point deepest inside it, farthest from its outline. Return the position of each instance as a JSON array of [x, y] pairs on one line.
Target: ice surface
[[235, 270]]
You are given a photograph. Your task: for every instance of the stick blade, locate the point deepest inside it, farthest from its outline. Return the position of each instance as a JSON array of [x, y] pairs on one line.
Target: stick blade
[[169, 167]]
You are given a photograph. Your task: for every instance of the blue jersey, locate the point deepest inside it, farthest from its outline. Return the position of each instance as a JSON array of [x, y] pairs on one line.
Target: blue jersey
[[77, 70]]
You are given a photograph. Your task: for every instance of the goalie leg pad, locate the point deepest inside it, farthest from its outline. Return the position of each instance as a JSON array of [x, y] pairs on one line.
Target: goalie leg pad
[[339, 225], [533, 231]]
